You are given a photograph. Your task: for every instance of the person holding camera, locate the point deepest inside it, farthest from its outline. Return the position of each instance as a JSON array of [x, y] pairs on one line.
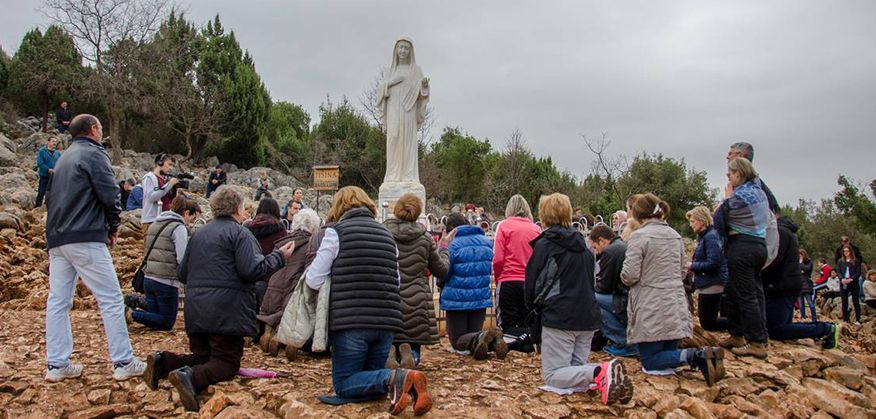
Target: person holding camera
[[156, 190]]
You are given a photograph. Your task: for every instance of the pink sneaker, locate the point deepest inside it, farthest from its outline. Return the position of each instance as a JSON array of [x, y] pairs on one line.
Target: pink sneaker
[[613, 383]]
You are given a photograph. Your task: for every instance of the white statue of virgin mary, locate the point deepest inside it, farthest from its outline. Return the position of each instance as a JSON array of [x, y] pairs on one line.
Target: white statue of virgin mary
[[404, 94]]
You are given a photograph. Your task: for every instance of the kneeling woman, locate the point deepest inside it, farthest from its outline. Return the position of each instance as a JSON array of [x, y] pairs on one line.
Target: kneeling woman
[[166, 242], [360, 257], [658, 314], [561, 272], [220, 266]]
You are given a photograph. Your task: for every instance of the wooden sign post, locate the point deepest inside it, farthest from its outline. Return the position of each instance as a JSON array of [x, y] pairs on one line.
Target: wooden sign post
[[325, 178]]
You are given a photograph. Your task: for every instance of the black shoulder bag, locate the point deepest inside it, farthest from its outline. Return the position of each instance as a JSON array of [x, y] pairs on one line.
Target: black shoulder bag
[[533, 318], [140, 275]]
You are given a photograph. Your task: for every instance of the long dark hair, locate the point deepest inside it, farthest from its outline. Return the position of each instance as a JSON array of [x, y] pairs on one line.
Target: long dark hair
[[270, 207]]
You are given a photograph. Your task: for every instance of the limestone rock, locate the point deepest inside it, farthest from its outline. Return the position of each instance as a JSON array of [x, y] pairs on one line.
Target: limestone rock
[[216, 404], [851, 378], [296, 409], [240, 412], [100, 396], [101, 412]]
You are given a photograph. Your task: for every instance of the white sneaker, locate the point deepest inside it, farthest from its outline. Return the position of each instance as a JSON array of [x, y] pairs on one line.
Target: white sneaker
[[133, 369], [54, 375], [659, 373]]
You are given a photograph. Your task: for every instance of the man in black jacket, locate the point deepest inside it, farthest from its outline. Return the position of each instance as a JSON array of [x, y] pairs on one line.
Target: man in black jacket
[[611, 293], [83, 217], [62, 118], [221, 265], [218, 177], [782, 285]]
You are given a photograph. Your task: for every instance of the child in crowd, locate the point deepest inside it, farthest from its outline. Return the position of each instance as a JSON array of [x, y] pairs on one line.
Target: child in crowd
[[870, 289]]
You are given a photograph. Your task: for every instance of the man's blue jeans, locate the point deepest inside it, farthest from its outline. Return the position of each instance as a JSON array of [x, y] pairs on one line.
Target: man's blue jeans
[[807, 298], [780, 321], [612, 327], [358, 360], [162, 304]]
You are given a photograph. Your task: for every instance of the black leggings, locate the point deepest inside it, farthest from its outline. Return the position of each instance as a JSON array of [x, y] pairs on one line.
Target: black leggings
[[463, 328], [709, 310], [853, 291]]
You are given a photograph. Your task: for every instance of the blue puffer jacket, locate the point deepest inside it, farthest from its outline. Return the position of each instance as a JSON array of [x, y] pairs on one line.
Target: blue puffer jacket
[[709, 264], [468, 279]]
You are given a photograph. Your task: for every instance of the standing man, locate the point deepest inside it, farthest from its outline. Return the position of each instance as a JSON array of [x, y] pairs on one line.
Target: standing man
[[297, 197], [611, 293], [62, 118], [743, 149], [46, 159], [838, 253], [155, 189], [83, 184], [218, 177]]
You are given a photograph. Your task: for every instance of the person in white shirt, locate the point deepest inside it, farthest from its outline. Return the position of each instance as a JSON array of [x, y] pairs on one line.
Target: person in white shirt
[[155, 188]]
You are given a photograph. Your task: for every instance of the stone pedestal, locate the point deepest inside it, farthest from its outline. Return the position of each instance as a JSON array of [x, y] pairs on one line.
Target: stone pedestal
[[392, 191]]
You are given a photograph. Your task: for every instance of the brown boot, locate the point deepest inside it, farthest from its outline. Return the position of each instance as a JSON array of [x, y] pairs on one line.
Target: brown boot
[[499, 347], [274, 346], [755, 349], [291, 353], [265, 339], [732, 342], [406, 355], [392, 359]]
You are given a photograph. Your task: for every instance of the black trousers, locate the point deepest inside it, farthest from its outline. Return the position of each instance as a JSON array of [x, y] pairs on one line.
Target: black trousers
[[709, 310], [746, 308], [851, 290], [214, 358], [511, 315], [464, 327], [41, 190]]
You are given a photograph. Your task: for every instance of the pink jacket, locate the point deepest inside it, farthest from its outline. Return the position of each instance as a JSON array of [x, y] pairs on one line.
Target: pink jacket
[[511, 250]]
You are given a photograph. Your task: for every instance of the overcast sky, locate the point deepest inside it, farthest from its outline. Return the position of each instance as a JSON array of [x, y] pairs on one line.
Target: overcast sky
[[682, 78]]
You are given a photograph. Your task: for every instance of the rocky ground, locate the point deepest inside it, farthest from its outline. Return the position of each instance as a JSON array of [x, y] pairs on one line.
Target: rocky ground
[[798, 380]]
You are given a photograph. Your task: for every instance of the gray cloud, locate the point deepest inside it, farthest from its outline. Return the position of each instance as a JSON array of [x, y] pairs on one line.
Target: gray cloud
[[684, 78]]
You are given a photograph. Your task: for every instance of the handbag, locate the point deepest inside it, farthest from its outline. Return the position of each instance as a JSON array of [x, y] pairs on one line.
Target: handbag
[[140, 274], [534, 317]]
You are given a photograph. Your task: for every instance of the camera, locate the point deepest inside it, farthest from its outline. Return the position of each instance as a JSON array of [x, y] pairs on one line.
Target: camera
[[184, 179]]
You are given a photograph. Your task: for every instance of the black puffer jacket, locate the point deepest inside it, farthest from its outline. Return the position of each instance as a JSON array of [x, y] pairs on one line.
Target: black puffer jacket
[[417, 257], [806, 272], [570, 304], [83, 198], [782, 277], [221, 264], [611, 263]]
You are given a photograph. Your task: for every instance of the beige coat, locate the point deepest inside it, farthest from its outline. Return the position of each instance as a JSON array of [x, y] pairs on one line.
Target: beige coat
[[654, 271]]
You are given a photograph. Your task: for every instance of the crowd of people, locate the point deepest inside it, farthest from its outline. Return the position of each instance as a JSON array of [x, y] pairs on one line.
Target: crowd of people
[[366, 286]]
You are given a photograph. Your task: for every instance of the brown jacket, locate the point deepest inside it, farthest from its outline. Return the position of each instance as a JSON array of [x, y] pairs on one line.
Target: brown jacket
[[417, 257], [282, 283], [654, 271]]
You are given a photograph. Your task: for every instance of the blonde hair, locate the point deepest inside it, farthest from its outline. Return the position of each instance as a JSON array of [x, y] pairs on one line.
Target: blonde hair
[[408, 207], [350, 197], [647, 206], [225, 202], [744, 167], [555, 209], [701, 214], [518, 207]]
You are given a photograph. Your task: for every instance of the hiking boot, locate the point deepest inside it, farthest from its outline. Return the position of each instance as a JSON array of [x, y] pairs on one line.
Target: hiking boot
[[135, 301], [129, 315], [613, 383], [273, 346], [54, 375], [717, 356], [266, 337], [831, 340], [406, 356], [291, 353], [755, 349], [154, 370], [482, 349], [732, 342], [499, 346], [181, 378], [405, 387], [134, 368], [705, 360], [392, 359]]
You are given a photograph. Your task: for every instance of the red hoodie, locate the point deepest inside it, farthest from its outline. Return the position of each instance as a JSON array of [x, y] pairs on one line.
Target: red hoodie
[[511, 249], [825, 273]]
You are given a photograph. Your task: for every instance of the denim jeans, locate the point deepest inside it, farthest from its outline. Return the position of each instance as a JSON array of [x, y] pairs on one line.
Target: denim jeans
[[660, 355], [780, 321], [162, 303], [91, 262], [612, 327], [807, 298], [358, 359]]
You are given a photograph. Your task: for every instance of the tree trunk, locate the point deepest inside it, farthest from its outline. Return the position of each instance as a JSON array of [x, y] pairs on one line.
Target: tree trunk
[[114, 120]]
